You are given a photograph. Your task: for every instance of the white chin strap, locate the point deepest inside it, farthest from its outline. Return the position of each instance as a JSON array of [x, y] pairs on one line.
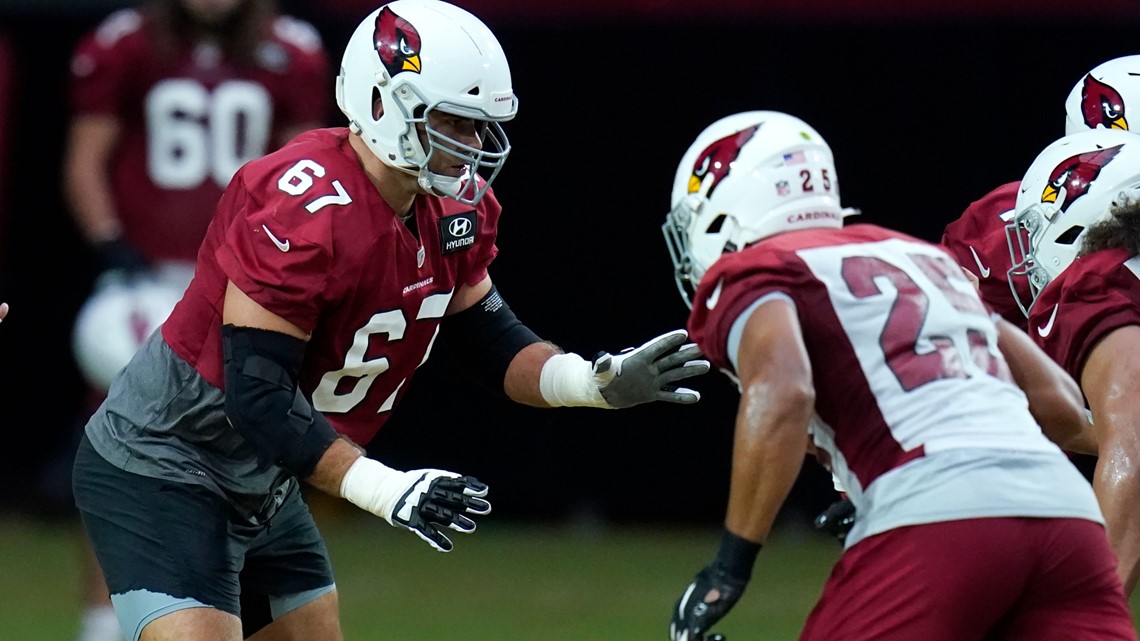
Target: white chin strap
[[439, 184]]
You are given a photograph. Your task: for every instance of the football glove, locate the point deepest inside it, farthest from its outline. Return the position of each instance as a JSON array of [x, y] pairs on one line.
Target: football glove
[[647, 373], [428, 502], [837, 520], [705, 601], [120, 255]]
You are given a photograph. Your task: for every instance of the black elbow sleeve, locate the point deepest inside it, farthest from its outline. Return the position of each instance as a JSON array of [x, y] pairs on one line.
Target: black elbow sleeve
[[264, 404], [485, 337]]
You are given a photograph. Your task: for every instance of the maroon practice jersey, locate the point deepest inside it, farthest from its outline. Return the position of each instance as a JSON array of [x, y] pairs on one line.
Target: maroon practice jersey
[[305, 234], [977, 240], [910, 385], [1093, 296], [191, 118]]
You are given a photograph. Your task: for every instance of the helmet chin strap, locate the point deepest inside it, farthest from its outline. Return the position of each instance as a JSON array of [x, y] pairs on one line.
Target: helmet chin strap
[[441, 185]]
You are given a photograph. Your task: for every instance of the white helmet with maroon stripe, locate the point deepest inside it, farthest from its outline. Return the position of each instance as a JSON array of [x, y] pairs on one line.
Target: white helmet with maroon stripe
[[746, 177]]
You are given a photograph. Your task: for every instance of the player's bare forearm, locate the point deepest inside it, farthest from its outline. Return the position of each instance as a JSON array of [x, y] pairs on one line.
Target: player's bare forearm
[[522, 378], [87, 184], [330, 470], [777, 402], [768, 452], [1108, 380], [1118, 492]]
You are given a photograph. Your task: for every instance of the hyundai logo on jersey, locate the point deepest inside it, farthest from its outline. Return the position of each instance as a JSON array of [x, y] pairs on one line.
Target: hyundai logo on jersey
[[457, 232]]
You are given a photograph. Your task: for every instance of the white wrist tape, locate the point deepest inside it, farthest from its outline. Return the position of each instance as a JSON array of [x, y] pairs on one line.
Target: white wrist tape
[[567, 380], [370, 485]]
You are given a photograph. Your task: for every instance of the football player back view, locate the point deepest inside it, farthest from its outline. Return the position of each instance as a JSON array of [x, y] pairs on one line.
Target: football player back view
[[874, 347]]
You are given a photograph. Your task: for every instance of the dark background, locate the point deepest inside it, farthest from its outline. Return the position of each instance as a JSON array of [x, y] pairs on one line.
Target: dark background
[[927, 107]]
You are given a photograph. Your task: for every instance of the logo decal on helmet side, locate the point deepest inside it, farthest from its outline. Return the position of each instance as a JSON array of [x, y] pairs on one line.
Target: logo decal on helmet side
[[397, 43], [1076, 174], [717, 159], [1102, 105]]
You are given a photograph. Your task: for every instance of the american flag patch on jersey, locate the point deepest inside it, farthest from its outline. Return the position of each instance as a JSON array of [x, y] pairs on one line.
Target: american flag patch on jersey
[[794, 158]]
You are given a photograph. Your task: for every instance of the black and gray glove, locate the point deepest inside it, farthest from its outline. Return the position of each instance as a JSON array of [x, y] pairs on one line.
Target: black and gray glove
[[118, 254], [714, 590], [648, 373], [705, 601], [837, 520]]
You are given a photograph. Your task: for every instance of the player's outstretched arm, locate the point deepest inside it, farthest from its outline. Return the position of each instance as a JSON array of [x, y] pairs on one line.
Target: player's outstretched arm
[[489, 339], [631, 377]]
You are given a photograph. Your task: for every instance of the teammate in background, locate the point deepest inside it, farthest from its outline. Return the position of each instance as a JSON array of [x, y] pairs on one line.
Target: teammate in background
[[1080, 203], [168, 100], [977, 239], [1099, 100], [323, 281], [874, 347]]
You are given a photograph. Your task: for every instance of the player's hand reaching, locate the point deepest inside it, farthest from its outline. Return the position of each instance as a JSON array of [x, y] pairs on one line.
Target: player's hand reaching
[[428, 502], [704, 602], [648, 373]]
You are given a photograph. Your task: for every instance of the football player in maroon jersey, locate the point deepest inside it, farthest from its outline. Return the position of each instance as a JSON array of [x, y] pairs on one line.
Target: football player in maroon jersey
[[327, 274], [168, 100], [872, 347], [1078, 203], [1102, 99]]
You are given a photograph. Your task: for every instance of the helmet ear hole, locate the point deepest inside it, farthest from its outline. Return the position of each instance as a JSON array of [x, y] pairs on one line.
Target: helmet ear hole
[[716, 224], [1070, 235], [377, 105]]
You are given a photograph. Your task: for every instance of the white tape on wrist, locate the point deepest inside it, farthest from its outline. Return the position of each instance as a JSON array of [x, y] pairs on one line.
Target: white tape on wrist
[[372, 486], [567, 380]]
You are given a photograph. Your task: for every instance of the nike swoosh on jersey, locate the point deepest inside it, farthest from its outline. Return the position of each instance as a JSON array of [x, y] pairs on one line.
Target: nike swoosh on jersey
[[1044, 330], [710, 302], [283, 246], [982, 268]]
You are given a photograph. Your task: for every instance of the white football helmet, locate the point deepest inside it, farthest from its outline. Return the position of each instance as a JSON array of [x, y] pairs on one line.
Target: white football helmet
[[115, 321], [419, 56], [747, 176], [1101, 98], [1072, 184]]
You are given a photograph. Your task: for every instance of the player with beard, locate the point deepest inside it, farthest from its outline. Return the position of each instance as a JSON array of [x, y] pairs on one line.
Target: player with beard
[[874, 348], [1080, 205], [327, 274], [168, 100]]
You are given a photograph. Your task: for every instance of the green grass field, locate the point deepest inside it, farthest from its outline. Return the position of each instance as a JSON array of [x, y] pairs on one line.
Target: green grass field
[[507, 581]]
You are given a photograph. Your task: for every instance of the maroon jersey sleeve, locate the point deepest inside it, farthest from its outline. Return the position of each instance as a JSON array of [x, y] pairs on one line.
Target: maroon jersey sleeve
[[1095, 295], [100, 64], [271, 252], [977, 241], [476, 261], [309, 73], [732, 284]]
